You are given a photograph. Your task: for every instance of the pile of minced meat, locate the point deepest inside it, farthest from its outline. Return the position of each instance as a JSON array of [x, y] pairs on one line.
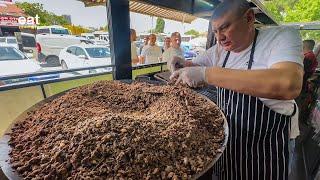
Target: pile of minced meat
[[114, 130]]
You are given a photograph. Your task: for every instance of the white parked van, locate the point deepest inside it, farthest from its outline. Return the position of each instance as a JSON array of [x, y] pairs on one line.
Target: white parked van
[[51, 40], [88, 36]]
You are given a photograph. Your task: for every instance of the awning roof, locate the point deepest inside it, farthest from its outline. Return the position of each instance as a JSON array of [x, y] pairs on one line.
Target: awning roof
[[144, 8], [185, 10]]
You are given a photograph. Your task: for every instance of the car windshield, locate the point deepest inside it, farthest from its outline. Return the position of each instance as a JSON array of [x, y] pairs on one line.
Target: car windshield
[[185, 48], [28, 41], [98, 52], [59, 31], [11, 41], [11, 53]]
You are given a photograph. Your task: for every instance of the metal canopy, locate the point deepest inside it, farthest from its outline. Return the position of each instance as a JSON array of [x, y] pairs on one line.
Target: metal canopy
[[305, 26], [144, 8], [185, 10]]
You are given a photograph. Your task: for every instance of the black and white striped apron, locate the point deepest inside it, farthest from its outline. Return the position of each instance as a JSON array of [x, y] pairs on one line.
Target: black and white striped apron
[[258, 137]]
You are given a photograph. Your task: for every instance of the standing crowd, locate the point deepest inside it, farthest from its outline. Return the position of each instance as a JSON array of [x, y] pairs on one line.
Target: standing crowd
[[149, 52]]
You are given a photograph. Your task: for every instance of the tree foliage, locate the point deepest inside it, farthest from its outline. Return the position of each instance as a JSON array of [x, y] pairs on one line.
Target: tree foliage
[[76, 30], [46, 18], [286, 11], [103, 28], [193, 32], [159, 26]]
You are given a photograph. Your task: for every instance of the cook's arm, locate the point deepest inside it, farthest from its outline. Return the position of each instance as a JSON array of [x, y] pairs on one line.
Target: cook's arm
[[282, 81]]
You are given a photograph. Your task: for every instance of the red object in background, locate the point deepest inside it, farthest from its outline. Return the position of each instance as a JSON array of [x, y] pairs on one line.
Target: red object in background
[[38, 46], [9, 21], [312, 63], [7, 8]]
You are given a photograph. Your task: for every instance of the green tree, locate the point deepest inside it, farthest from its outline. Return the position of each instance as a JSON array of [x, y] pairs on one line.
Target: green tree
[[159, 26], [103, 28], [193, 32], [286, 11], [46, 18], [279, 8], [76, 30]]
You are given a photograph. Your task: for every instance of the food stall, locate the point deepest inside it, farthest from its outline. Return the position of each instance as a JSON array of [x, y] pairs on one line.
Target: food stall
[[53, 99], [9, 15]]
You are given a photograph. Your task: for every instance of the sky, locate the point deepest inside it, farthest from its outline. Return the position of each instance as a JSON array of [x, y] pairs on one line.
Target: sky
[[97, 16]]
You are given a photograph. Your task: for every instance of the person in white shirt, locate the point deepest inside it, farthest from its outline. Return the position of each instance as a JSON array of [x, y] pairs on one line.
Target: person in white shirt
[[166, 44], [175, 50], [133, 38], [145, 43], [151, 53], [257, 73]]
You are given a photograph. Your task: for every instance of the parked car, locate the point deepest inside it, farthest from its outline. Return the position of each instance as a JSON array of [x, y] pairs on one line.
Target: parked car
[[10, 40], [51, 40], [188, 54], [13, 61], [101, 43], [88, 36], [198, 45], [85, 55], [101, 35], [29, 45]]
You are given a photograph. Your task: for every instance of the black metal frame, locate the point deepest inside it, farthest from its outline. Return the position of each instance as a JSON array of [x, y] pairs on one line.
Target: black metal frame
[[43, 82], [48, 81], [119, 35], [149, 65], [52, 72]]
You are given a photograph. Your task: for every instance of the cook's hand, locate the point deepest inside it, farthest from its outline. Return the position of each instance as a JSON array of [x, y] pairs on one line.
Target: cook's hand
[[175, 63], [192, 76]]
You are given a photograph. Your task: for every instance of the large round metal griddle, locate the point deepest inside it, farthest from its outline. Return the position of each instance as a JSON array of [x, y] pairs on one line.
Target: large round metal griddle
[[5, 149]]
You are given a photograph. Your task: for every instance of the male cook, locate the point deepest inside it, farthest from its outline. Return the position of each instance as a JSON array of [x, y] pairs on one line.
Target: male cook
[[257, 73]]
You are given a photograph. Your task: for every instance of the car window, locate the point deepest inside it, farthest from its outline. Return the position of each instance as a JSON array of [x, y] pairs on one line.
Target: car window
[[2, 40], [40, 31], [98, 52], [80, 51], [59, 31], [11, 53], [185, 48], [28, 41], [11, 41], [72, 50], [89, 37]]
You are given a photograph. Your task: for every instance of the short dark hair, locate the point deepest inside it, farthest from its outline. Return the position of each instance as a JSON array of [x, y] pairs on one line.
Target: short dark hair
[[132, 31], [175, 34], [309, 44], [237, 7]]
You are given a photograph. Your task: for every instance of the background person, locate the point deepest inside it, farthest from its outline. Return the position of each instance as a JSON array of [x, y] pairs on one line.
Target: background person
[[310, 60], [151, 53], [166, 44], [175, 50], [133, 38], [145, 43]]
